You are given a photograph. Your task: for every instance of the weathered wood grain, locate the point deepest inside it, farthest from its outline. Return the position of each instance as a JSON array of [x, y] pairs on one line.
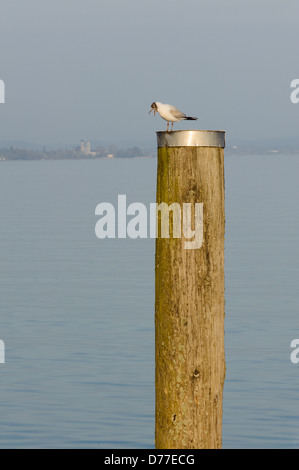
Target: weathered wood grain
[[189, 306]]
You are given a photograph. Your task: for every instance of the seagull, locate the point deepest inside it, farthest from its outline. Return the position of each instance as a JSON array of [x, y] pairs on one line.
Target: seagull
[[169, 113]]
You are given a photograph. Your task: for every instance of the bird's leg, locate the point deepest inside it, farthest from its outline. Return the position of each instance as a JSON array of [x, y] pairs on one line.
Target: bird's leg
[[172, 126], [167, 126]]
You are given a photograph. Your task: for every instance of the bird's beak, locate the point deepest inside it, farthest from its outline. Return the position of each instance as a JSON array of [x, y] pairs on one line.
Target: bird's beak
[[151, 111]]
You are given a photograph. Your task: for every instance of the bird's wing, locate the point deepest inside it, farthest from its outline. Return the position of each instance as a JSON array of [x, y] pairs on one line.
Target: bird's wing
[[177, 113]]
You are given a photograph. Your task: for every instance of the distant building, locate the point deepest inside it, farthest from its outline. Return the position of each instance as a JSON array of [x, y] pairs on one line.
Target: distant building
[[86, 149], [110, 155]]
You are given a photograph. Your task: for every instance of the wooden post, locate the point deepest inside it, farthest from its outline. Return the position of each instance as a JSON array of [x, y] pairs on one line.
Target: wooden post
[[189, 317]]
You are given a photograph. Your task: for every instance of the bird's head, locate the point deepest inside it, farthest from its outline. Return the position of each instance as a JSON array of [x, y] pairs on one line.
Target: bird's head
[[154, 107]]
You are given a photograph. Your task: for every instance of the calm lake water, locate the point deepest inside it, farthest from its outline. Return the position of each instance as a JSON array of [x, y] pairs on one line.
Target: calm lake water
[[77, 313]]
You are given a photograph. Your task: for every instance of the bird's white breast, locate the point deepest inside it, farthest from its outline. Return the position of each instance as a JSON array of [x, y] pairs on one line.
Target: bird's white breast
[[166, 112]]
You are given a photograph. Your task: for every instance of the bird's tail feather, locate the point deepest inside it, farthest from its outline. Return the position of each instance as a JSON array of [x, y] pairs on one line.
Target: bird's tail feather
[[188, 118]]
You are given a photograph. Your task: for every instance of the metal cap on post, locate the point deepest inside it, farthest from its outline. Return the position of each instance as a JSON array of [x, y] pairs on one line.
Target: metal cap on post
[[191, 139], [189, 304]]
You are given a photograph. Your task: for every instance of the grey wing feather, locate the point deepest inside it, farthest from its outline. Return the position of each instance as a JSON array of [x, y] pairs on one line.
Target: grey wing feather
[[177, 113]]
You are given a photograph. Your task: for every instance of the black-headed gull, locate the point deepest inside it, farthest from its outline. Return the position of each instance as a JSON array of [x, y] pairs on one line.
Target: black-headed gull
[[170, 113]]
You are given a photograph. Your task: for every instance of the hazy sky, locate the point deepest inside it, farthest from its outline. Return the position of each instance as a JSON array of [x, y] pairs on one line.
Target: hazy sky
[[91, 68]]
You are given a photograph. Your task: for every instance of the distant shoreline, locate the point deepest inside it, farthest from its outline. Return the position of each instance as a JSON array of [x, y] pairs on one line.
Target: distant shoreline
[[4, 159]]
